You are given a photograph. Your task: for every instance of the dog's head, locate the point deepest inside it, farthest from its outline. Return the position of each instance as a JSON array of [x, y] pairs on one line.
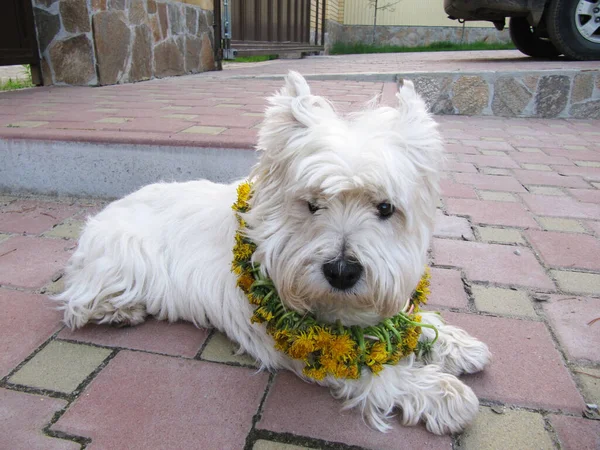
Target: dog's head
[[343, 207]]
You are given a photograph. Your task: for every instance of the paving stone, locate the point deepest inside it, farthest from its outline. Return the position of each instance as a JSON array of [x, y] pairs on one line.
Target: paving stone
[[595, 227], [549, 178], [121, 406], [526, 369], [566, 250], [24, 311], [497, 196], [451, 189], [586, 195], [60, 366], [221, 349], [542, 167], [500, 235], [557, 224], [510, 430], [492, 212], [503, 301], [577, 282], [447, 289], [29, 262], [141, 52], [492, 262], [490, 182], [22, 418], [284, 411], [204, 130], [4, 237], [261, 444], [510, 97], [588, 163], [471, 95], [178, 339], [570, 317], [545, 205], [32, 216], [587, 110], [589, 379], [452, 226], [70, 229], [575, 433], [75, 16], [494, 171]]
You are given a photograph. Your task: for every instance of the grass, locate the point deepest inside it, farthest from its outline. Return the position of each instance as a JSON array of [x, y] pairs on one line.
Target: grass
[[340, 48], [250, 59], [19, 83]]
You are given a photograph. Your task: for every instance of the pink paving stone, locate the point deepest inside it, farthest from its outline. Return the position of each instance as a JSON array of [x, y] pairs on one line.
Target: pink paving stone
[[32, 216], [539, 158], [26, 322], [576, 433], [490, 161], [179, 339], [595, 227], [575, 155], [589, 173], [549, 179], [285, 411], [451, 189], [490, 182], [493, 213], [452, 226], [566, 249], [447, 289], [569, 318], [586, 195], [492, 262], [549, 205], [526, 368], [460, 149], [488, 145], [22, 418], [29, 262], [148, 400]]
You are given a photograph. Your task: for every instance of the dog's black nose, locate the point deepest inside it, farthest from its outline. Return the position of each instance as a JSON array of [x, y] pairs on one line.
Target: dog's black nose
[[342, 273]]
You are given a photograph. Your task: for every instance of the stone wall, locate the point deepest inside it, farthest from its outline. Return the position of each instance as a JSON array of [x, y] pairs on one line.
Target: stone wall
[[566, 94], [412, 36], [100, 42]]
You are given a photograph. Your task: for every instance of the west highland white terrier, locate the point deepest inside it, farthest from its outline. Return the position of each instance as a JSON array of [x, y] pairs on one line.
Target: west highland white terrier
[[329, 242]]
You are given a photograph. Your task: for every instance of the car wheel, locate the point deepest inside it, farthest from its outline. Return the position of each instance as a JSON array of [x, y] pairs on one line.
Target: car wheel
[[525, 39], [574, 27]]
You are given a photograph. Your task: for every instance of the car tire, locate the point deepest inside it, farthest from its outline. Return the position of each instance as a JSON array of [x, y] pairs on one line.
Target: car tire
[[527, 42], [569, 23]]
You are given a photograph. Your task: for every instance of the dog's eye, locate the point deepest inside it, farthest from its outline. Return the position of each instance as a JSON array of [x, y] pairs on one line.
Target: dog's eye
[[313, 208], [385, 210]]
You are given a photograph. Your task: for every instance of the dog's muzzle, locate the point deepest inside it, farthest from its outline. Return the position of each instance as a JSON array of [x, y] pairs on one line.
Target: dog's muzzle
[[342, 273]]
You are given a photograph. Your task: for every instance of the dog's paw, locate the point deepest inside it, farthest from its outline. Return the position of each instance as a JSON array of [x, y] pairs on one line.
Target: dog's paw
[[463, 353], [453, 410]]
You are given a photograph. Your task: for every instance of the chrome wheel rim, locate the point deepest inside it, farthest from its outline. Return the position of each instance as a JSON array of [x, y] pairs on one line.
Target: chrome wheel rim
[[587, 20]]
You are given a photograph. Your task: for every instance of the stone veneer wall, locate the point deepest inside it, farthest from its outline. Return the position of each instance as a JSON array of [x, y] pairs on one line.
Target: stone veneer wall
[[412, 36], [566, 94], [100, 42]]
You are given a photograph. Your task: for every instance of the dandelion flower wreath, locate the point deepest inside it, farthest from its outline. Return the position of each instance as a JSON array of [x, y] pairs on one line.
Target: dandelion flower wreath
[[326, 349]]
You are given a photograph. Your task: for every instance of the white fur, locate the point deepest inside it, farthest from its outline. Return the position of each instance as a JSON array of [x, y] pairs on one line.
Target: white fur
[[166, 249]]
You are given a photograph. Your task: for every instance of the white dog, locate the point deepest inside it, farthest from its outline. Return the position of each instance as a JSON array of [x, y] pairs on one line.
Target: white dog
[[341, 214]]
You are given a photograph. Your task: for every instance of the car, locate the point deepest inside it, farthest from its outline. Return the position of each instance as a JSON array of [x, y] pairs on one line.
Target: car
[[539, 28]]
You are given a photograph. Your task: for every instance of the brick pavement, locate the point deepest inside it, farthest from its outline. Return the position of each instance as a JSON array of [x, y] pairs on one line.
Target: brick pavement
[[516, 262]]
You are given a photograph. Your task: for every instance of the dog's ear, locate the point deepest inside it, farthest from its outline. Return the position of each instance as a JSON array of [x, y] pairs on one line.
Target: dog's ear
[[409, 99], [292, 110]]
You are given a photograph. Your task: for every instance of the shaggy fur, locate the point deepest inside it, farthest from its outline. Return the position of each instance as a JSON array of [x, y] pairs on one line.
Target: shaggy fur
[[166, 249]]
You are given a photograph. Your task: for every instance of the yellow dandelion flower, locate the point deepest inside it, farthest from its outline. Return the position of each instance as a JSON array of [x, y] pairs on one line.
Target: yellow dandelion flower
[[245, 281], [281, 338], [322, 338], [303, 344], [353, 372], [342, 347], [256, 318], [378, 354], [314, 373], [341, 371], [328, 363], [376, 368]]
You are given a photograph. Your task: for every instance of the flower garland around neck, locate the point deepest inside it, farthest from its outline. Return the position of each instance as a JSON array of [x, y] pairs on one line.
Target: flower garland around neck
[[326, 349]]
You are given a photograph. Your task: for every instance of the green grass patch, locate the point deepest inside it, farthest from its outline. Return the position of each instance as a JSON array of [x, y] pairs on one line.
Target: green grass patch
[[340, 48], [250, 59], [20, 83]]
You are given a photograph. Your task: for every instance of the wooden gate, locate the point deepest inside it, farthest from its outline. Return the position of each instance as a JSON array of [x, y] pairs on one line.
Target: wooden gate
[[270, 27], [18, 44]]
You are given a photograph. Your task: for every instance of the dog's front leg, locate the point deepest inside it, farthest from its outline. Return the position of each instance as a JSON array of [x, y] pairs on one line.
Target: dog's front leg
[[426, 393], [455, 351]]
